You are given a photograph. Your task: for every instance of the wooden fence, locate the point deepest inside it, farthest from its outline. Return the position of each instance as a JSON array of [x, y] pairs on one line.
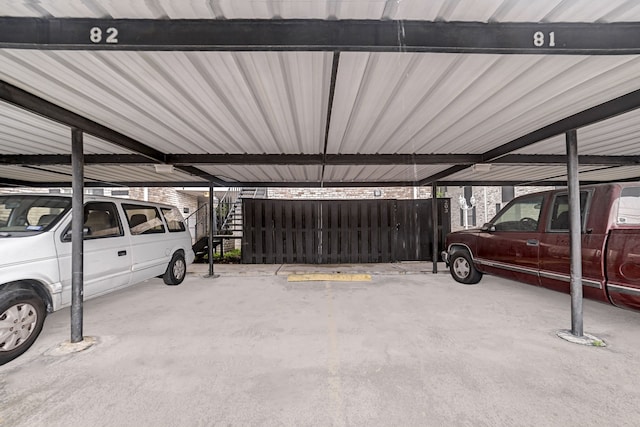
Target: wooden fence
[[340, 231]]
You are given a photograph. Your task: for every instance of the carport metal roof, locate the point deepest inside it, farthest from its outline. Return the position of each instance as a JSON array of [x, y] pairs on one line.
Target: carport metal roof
[[333, 93]]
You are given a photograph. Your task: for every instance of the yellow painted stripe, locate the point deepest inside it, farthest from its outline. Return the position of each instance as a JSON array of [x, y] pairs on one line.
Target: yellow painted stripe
[[333, 277]]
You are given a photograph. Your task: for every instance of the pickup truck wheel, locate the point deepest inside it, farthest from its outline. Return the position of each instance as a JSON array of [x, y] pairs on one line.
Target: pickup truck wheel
[[462, 269], [176, 270], [22, 315]]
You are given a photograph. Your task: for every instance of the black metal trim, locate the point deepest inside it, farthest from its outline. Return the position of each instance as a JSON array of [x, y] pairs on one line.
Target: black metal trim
[[8, 182], [263, 159], [317, 159], [27, 101], [332, 92], [586, 159], [606, 110], [593, 38]]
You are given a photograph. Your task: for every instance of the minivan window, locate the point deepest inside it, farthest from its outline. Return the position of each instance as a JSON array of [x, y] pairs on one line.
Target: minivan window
[[174, 220], [629, 206], [31, 213], [143, 219], [101, 220]]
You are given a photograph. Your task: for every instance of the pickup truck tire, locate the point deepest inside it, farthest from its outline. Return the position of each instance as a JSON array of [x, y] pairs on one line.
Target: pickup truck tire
[[176, 270], [22, 315], [462, 268]]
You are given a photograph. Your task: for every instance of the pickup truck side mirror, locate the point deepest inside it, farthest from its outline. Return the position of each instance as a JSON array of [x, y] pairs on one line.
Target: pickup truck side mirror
[[488, 227]]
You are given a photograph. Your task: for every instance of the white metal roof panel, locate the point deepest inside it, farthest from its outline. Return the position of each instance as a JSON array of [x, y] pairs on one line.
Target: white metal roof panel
[[454, 103], [617, 136], [381, 173], [22, 132], [432, 10], [540, 173], [187, 102], [265, 173], [94, 173]]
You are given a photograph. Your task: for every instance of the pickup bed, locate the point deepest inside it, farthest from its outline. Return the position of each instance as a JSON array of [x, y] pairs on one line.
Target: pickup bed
[[528, 241]]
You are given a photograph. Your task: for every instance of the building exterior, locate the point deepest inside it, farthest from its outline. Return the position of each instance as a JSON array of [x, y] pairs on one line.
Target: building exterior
[[486, 202]]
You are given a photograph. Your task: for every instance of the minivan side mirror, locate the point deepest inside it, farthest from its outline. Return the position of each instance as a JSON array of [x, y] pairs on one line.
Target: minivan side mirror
[[488, 227], [66, 237]]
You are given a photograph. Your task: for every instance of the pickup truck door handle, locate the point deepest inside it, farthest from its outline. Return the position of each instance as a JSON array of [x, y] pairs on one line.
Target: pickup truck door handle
[[532, 242], [122, 253]]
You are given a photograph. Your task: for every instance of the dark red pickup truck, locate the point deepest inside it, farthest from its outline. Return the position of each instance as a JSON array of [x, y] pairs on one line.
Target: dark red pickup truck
[[528, 241]]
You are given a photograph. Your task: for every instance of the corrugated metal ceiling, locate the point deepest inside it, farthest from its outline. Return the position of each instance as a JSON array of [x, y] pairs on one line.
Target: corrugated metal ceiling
[[432, 10], [256, 103]]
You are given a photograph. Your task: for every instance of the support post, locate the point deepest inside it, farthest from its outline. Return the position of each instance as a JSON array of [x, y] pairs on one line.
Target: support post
[[434, 216], [213, 227], [77, 242], [575, 231]]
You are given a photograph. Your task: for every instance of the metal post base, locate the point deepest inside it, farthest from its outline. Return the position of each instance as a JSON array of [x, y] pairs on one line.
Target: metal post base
[[68, 347], [585, 339]]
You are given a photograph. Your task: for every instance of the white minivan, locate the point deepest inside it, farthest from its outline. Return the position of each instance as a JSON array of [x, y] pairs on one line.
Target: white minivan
[[125, 242]]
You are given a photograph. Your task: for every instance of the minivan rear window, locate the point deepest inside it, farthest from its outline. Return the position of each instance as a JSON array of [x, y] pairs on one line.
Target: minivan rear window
[[174, 220], [143, 219]]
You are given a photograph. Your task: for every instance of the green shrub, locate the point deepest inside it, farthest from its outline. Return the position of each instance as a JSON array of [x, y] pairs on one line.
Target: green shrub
[[234, 256]]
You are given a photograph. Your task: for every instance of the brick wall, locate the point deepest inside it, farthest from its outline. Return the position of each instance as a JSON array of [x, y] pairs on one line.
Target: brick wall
[[167, 195], [350, 193], [487, 199]]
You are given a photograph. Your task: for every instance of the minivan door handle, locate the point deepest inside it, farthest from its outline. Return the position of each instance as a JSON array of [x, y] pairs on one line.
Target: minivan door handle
[[532, 242], [122, 253]]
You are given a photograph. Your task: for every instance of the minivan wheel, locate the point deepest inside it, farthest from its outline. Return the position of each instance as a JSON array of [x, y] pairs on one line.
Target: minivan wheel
[[176, 270], [462, 268], [22, 315]]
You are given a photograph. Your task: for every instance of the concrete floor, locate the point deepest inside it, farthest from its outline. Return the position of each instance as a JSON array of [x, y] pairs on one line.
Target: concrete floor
[[405, 349]]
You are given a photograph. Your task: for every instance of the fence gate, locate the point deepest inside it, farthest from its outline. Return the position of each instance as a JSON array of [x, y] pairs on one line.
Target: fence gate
[[340, 231]]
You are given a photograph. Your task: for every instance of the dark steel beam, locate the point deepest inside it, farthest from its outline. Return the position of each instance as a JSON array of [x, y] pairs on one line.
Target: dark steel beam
[[10, 183], [320, 35], [25, 100], [65, 159], [441, 175], [315, 159], [319, 159], [519, 159], [332, 91], [606, 110], [402, 159]]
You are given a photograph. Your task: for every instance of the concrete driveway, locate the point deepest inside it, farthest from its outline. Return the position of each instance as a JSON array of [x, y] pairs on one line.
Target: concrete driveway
[[252, 349]]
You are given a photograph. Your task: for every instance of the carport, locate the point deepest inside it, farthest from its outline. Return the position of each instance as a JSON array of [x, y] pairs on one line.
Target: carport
[[329, 93]]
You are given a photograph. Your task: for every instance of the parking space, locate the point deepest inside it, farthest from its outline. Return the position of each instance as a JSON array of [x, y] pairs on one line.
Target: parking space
[[401, 349]]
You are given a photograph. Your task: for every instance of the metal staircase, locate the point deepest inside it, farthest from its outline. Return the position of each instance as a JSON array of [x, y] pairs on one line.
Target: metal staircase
[[228, 217]]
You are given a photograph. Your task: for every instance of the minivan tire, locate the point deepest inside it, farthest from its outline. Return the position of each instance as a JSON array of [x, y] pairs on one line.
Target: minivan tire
[[176, 270], [25, 312], [462, 268]]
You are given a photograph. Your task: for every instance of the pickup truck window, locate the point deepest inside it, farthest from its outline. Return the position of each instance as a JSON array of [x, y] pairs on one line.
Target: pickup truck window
[[629, 206], [559, 220], [522, 215], [143, 219], [174, 219]]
